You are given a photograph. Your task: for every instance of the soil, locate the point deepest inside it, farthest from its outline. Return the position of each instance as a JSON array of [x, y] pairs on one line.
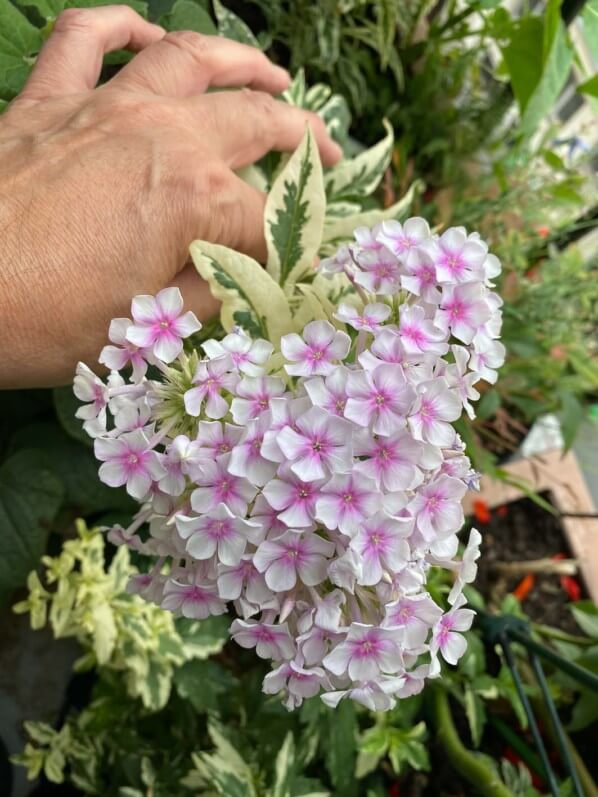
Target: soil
[[517, 532]]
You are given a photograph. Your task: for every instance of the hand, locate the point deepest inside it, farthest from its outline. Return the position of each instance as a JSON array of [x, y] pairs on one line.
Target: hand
[[102, 189]]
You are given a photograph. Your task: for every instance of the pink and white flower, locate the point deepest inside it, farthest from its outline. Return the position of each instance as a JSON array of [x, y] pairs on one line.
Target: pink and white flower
[[293, 498], [391, 461], [195, 601], [246, 355], [270, 641], [210, 378], [366, 653], [217, 486], [433, 411], [437, 507], [159, 324], [293, 555], [124, 353], [378, 271], [400, 239], [346, 501], [129, 460], [90, 389], [380, 398], [253, 396], [315, 352], [218, 531], [446, 638], [246, 458], [371, 318], [459, 258], [320, 446], [381, 544], [463, 311]]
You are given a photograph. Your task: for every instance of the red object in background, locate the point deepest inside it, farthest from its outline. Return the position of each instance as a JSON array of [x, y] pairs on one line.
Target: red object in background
[[502, 511], [394, 790], [525, 586], [571, 587], [543, 231], [481, 511], [515, 759]]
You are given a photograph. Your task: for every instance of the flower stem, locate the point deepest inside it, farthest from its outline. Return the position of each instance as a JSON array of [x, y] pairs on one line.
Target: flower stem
[[470, 766]]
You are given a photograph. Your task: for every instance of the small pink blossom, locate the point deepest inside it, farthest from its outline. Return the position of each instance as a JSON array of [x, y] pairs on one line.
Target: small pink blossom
[[253, 396], [380, 398], [270, 641], [366, 653], [195, 601], [217, 486], [216, 439], [433, 411], [400, 239], [299, 682], [346, 501], [294, 499], [371, 318], [437, 507], [246, 355], [243, 577], [320, 445], [391, 461], [445, 637], [124, 353], [315, 352], [246, 458], [329, 392], [218, 531], [129, 460], [210, 378], [458, 258], [293, 555], [159, 324], [420, 277], [420, 334], [382, 546], [378, 271], [415, 614], [90, 389], [462, 311]]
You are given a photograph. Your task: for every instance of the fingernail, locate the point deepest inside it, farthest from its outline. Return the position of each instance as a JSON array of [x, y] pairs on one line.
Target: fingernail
[[159, 29], [336, 150]]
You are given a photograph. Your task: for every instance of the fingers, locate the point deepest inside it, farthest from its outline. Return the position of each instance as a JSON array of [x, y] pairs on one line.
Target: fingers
[[71, 59], [248, 124], [187, 63]]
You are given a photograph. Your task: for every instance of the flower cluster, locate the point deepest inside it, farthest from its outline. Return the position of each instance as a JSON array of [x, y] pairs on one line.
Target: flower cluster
[[312, 485]]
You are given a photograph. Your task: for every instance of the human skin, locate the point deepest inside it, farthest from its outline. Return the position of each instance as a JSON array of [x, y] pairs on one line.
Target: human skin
[[102, 189]]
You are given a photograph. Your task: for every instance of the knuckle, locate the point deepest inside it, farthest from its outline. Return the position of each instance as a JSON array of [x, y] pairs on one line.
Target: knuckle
[[74, 19], [193, 44]]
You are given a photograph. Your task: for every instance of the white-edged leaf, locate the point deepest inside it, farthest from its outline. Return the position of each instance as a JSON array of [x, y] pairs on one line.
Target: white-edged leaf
[[340, 231], [232, 26], [295, 94], [250, 297], [224, 770], [284, 768], [361, 175], [294, 216]]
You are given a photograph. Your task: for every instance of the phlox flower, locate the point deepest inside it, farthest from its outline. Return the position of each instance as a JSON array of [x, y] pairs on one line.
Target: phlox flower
[[370, 319], [329, 392], [458, 258], [124, 353], [415, 614], [218, 531], [216, 439], [366, 653], [374, 695], [462, 311], [381, 544], [270, 641], [195, 601], [380, 398], [90, 389], [129, 460], [293, 498], [293, 555], [399, 238], [434, 409], [346, 501], [487, 356], [378, 271], [299, 682], [437, 507], [390, 461], [215, 485], [246, 458], [210, 378], [445, 637], [420, 276], [467, 568], [320, 445], [315, 352], [253, 396], [243, 577], [420, 334], [284, 411], [159, 324], [246, 355]]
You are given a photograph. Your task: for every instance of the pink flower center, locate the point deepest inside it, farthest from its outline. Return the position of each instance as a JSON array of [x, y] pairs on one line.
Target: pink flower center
[[348, 498]]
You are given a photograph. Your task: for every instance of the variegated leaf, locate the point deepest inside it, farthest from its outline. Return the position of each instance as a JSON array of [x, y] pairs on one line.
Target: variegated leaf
[[317, 96], [295, 94], [294, 216], [250, 297], [284, 768], [339, 231], [361, 175], [232, 26], [224, 770]]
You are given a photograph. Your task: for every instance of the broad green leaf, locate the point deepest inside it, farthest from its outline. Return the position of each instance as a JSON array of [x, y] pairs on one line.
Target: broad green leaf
[[66, 405], [361, 175], [20, 41], [203, 638], [571, 415], [49, 9], [189, 15], [154, 689], [589, 86], [295, 94], [586, 617], [294, 215], [554, 76], [373, 745], [232, 26], [338, 231], [341, 747], [488, 404], [250, 297], [224, 770], [203, 683], [523, 57], [30, 497], [585, 711]]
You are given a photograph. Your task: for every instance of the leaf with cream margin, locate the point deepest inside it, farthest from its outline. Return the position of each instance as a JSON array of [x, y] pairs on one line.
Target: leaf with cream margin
[[250, 297], [339, 231], [294, 215], [360, 176]]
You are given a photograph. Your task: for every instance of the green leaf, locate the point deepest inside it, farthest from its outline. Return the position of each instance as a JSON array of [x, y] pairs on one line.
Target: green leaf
[[360, 176], [19, 42], [30, 497], [476, 715], [284, 768], [249, 296], [203, 683], [373, 746], [589, 86], [523, 57], [189, 15], [154, 689], [203, 638], [586, 617], [571, 415], [104, 632], [66, 405], [341, 744], [585, 711], [338, 231], [225, 770], [488, 404], [294, 215], [232, 26]]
